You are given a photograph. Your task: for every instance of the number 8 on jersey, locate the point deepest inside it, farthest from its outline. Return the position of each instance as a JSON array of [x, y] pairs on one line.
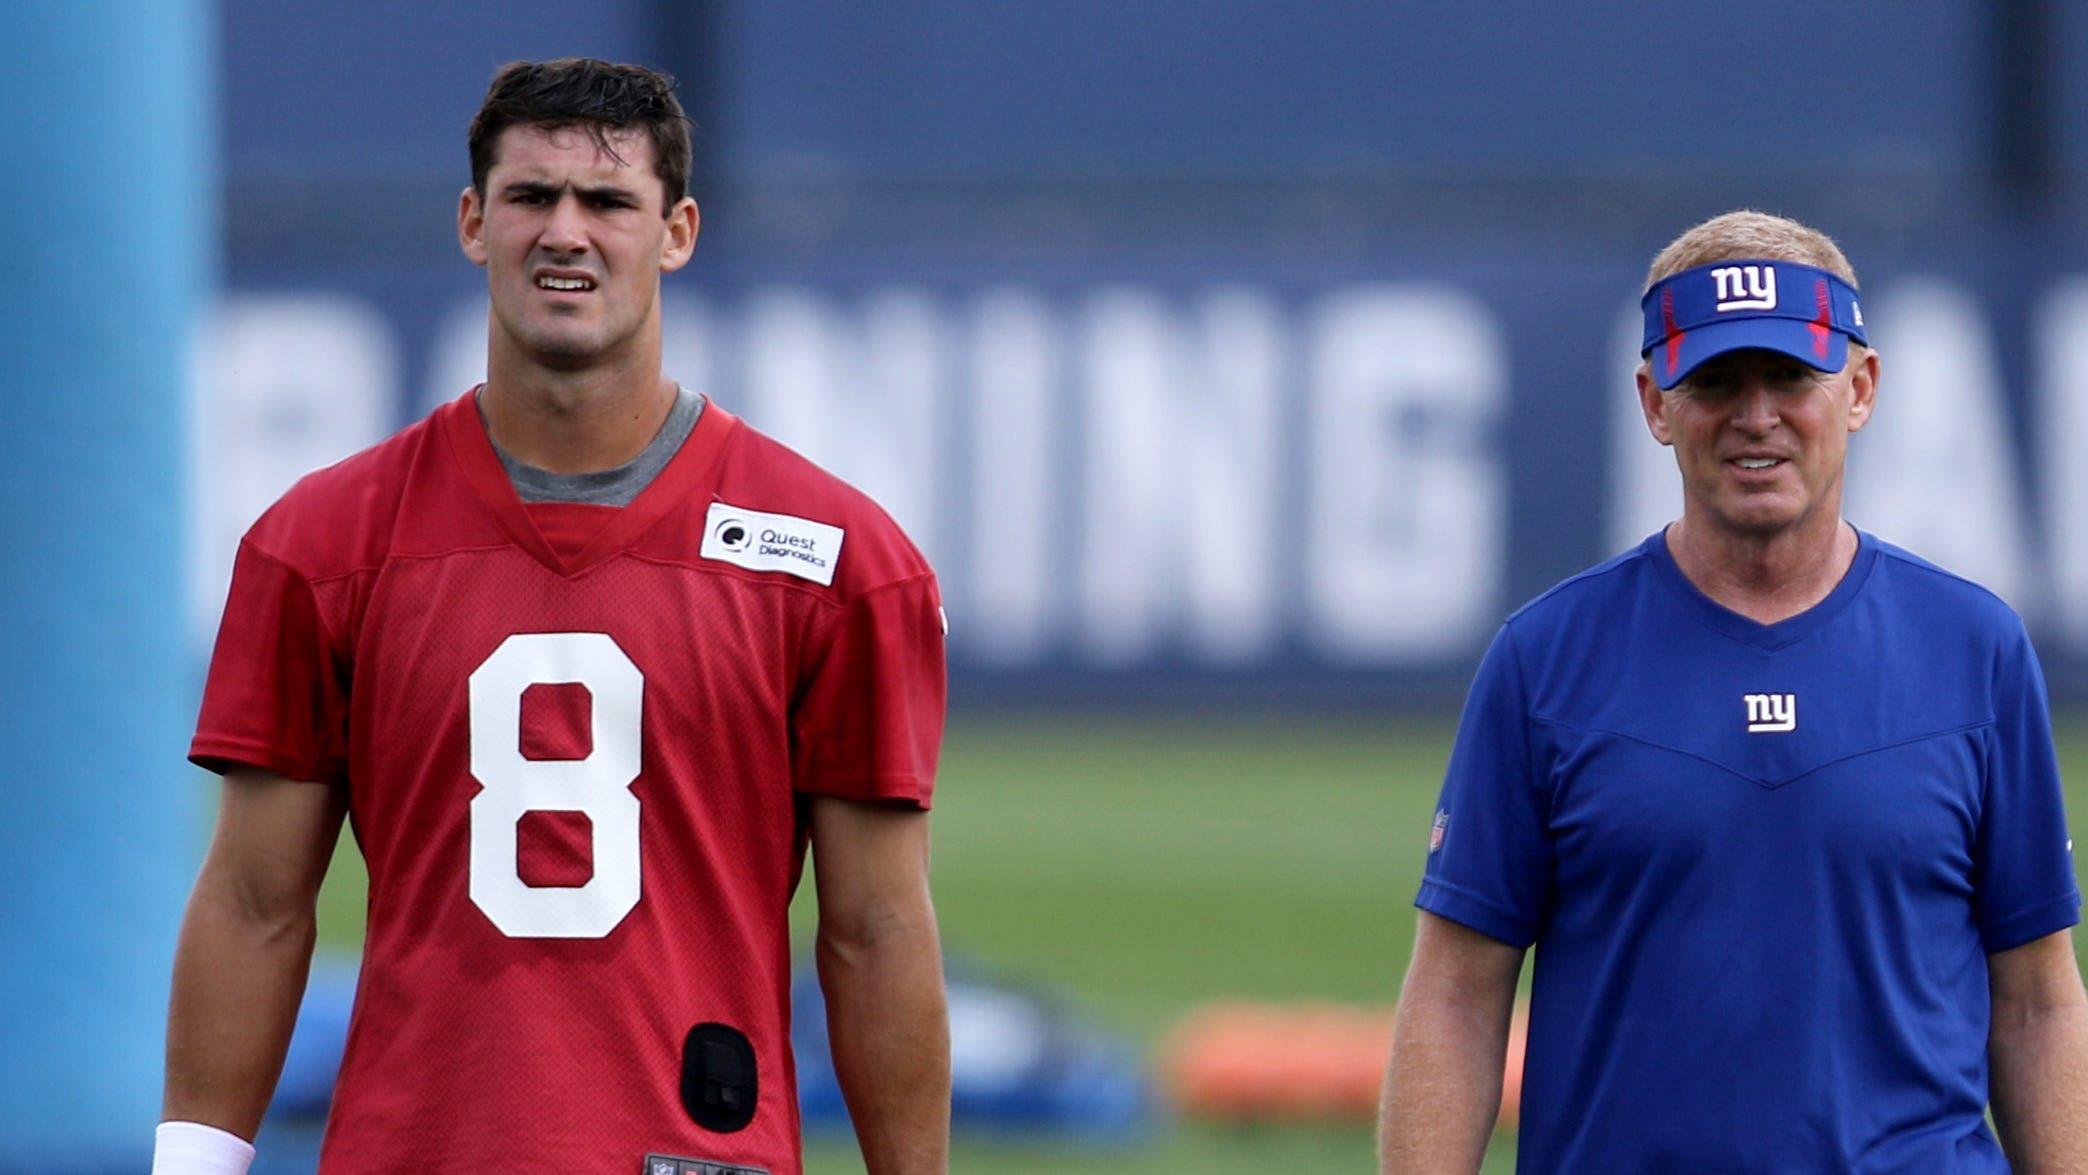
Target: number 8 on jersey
[[597, 786]]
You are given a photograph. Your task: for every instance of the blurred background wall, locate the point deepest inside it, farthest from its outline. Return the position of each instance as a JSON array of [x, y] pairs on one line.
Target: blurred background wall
[[1253, 349]]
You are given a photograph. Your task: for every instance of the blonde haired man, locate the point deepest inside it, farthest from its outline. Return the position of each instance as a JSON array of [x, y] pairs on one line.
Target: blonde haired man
[[1775, 801]]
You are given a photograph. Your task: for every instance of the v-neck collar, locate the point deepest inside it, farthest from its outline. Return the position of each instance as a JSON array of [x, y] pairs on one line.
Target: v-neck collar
[[1747, 630], [689, 471]]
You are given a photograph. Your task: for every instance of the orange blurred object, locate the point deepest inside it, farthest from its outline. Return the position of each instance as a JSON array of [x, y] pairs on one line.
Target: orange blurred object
[[1240, 1061]]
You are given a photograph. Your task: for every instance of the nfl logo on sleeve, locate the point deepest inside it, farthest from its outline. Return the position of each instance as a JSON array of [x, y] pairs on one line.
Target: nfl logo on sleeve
[[1439, 829]]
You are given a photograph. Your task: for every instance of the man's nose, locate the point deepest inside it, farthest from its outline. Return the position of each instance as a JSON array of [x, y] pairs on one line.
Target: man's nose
[[565, 231], [1754, 408]]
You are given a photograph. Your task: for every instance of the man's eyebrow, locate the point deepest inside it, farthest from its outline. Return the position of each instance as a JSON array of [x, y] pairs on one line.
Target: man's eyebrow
[[531, 188], [606, 191]]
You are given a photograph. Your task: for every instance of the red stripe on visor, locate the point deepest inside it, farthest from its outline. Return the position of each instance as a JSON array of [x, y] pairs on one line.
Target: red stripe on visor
[[1674, 336], [1822, 325]]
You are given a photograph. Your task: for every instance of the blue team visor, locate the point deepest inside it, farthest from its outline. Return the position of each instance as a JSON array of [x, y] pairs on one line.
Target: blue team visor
[[1796, 310]]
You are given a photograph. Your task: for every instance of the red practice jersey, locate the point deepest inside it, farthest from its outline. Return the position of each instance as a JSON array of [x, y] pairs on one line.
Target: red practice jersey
[[577, 743]]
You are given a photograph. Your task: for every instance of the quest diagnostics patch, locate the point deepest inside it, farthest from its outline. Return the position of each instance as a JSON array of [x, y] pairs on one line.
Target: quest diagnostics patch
[[771, 542]]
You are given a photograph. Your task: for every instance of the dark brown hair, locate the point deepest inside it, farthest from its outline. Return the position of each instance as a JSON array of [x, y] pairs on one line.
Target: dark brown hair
[[600, 96]]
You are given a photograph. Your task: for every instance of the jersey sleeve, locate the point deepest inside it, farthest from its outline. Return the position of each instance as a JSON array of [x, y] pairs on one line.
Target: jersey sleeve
[[868, 721], [1490, 856], [2023, 877], [276, 696]]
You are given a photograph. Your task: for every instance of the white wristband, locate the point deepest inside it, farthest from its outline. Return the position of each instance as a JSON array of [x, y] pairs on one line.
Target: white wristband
[[191, 1148]]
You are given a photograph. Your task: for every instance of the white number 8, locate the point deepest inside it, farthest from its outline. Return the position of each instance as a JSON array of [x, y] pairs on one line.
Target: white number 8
[[598, 786]]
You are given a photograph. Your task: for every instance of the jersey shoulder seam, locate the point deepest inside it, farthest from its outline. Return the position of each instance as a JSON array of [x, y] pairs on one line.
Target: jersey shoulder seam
[[1910, 559], [1608, 567], [394, 556], [776, 579], [902, 581], [311, 585]]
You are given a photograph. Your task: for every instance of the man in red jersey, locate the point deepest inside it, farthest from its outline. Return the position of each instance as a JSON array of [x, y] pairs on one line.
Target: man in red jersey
[[587, 662]]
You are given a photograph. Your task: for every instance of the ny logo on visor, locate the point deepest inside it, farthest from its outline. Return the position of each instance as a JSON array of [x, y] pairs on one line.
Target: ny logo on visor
[[1746, 287]]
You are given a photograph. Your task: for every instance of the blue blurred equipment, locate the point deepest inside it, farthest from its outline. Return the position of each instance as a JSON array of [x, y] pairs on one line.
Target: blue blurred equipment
[[316, 1044], [1021, 1064]]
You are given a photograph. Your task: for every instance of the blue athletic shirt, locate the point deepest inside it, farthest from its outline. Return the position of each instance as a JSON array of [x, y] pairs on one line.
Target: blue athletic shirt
[[1756, 949]]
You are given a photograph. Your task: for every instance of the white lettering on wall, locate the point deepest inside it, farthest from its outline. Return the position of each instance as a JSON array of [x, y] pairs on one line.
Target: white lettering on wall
[[456, 357], [1137, 475], [1935, 470], [1645, 485], [1006, 608], [1407, 519], [288, 383], [858, 393], [1134, 476], [2060, 338], [688, 342], [1179, 461]]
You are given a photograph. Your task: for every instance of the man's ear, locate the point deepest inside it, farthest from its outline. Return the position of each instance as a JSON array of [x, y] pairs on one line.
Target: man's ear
[[683, 220], [471, 226], [1863, 389], [1653, 405]]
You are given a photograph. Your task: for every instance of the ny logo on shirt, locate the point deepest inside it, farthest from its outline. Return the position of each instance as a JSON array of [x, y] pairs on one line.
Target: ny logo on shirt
[[1771, 713]]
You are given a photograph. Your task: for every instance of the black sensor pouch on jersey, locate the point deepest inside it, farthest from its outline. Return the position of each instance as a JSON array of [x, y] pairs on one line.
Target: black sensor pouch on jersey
[[719, 1087]]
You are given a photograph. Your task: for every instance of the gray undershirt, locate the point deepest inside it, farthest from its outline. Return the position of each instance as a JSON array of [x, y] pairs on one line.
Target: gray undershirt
[[609, 487]]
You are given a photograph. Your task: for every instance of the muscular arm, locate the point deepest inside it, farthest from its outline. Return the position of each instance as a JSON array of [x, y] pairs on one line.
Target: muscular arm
[[880, 966], [245, 948], [1443, 1089], [2037, 1049]]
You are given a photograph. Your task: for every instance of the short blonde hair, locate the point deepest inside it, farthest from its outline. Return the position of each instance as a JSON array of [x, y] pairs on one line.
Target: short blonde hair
[[1745, 234]]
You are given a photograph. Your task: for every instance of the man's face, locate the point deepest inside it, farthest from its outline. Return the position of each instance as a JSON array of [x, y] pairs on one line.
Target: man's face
[[573, 242], [1761, 438]]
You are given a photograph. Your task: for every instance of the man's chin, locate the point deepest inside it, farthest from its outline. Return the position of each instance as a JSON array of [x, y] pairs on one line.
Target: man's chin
[[1760, 519], [561, 352]]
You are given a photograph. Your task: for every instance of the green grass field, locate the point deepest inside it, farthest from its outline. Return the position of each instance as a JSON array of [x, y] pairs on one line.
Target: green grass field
[[1142, 867]]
